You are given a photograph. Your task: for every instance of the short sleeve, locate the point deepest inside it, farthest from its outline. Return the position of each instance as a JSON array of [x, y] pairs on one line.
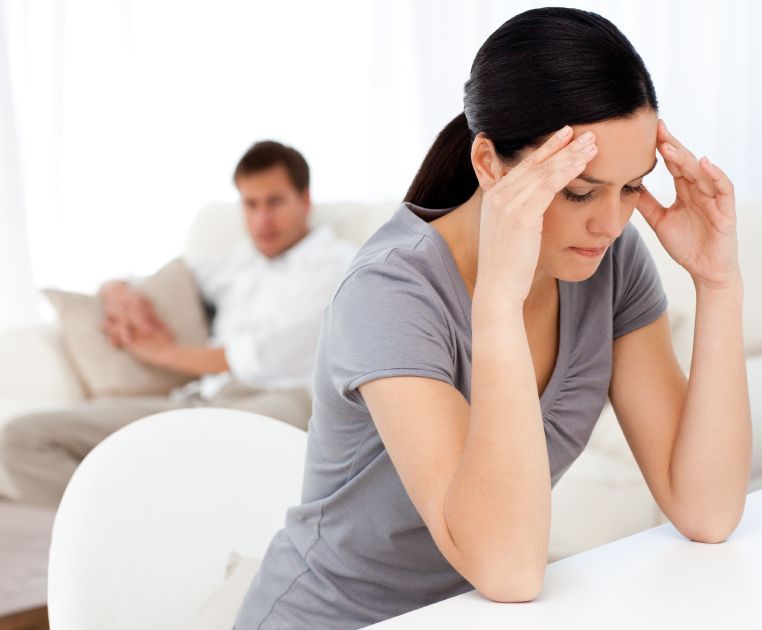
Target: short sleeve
[[386, 321], [639, 297]]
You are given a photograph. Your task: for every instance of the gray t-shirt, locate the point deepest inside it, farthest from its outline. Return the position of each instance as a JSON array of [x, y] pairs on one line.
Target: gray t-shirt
[[356, 551]]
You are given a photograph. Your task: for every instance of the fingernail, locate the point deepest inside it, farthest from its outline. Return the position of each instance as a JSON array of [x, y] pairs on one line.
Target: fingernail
[[564, 131], [585, 137], [669, 147]]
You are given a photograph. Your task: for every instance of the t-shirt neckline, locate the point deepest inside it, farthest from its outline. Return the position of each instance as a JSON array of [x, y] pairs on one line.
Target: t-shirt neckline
[[418, 218]]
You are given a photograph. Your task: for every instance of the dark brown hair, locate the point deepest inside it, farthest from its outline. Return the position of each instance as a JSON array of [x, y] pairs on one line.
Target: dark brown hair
[[541, 70], [268, 153]]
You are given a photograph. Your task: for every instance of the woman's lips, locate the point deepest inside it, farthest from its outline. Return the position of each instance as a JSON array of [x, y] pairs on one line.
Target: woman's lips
[[589, 253]]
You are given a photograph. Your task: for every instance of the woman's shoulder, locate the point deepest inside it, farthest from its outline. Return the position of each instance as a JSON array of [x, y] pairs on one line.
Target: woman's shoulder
[[403, 255]]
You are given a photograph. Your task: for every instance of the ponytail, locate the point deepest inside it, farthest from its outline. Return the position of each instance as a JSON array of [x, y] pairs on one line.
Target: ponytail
[[446, 177]]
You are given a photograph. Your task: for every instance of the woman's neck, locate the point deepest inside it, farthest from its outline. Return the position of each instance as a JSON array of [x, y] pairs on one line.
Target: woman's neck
[[460, 229]]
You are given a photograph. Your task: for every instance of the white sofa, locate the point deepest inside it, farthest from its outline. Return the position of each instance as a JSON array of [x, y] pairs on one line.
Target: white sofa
[[603, 495]]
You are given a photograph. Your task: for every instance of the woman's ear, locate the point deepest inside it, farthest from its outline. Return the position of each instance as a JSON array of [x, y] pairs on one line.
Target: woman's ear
[[487, 164]]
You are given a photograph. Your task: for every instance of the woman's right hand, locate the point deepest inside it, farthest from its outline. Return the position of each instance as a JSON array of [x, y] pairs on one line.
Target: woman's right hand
[[512, 215]]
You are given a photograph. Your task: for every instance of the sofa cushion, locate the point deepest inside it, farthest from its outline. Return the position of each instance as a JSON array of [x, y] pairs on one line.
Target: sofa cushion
[[36, 366], [109, 371]]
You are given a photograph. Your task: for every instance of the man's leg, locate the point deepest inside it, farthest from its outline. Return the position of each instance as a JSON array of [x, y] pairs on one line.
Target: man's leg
[[293, 406], [41, 451]]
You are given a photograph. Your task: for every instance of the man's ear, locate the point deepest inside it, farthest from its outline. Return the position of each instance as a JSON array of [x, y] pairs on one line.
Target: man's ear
[[487, 164], [306, 199]]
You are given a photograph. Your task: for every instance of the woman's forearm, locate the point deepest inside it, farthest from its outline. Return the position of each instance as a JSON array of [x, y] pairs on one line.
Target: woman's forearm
[[711, 458], [498, 505]]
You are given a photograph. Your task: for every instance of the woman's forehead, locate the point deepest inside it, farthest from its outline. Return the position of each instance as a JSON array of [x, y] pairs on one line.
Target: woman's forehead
[[626, 148]]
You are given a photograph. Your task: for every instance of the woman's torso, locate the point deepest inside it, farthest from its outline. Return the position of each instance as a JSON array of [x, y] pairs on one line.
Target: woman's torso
[[356, 551]]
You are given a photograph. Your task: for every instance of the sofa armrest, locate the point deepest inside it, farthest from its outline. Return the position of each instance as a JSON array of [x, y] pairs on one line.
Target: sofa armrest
[[34, 366]]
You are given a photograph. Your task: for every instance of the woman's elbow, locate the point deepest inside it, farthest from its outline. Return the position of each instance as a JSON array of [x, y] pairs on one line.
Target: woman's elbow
[[706, 535], [708, 531], [523, 586]]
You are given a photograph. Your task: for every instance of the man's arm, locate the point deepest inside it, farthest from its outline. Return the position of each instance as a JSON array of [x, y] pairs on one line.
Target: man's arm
[[194, 360], [159, 349]]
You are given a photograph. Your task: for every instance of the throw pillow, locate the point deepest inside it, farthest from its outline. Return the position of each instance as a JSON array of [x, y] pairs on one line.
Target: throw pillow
[[109, 371]]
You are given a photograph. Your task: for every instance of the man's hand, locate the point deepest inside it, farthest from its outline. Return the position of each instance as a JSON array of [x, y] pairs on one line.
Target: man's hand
[[129, 315], [156, 348]]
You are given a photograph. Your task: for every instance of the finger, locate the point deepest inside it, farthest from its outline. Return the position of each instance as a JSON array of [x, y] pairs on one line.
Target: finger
[[167, 331], [149, 313], [673, 168], [688, 167], [665, 135], [563, 167], [139, 319], [552, 145], [144, 324], [725, 200], [547, 179], [650, 208], [683, 190], [689, 195], [126, 334], [721, 180], [675, 151], [155, 320]]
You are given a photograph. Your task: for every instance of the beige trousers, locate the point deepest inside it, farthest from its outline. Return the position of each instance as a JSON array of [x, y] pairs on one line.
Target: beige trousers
[[40, 451]]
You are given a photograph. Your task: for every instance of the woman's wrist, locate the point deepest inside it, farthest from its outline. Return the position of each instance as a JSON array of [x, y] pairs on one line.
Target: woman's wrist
[[495, 307], [729, 289]]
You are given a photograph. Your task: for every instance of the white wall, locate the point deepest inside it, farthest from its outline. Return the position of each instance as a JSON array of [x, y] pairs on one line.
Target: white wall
[[131, 114]]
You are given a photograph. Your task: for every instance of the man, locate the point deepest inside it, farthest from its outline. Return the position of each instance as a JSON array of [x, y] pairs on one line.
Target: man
[[267, 298]]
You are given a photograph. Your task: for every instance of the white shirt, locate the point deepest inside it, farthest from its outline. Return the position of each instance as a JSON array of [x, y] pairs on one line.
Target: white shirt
[[269, 310]]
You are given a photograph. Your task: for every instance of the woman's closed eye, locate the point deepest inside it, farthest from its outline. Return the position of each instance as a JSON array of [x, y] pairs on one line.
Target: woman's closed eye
[[626, 190]]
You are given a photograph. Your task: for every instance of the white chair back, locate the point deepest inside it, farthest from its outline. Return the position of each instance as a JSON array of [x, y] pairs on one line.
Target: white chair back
[[149, 519]]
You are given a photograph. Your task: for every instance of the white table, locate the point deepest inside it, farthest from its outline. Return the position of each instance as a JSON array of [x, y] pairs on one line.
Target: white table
[[654, 579]]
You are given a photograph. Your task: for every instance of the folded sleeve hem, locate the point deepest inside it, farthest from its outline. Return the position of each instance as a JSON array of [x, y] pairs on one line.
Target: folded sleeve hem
[[648, 317], [351, 387]]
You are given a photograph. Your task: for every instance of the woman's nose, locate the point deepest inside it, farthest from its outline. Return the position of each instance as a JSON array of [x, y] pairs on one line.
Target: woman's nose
[[609, 219]]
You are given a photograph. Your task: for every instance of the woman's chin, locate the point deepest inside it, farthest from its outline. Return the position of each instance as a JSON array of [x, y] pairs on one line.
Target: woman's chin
[[579, 274]]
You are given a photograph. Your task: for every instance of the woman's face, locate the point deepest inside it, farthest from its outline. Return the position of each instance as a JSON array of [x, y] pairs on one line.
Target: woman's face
[[593, 209]]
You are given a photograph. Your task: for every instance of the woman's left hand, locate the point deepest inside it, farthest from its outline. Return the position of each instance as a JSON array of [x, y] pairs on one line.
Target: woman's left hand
[[699, 229]]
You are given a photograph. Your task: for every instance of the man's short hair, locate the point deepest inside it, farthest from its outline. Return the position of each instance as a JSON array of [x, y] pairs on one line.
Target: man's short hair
[[268, 153]]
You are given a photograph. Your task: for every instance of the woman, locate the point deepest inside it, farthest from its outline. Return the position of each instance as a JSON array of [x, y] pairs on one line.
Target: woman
[[468, 352]]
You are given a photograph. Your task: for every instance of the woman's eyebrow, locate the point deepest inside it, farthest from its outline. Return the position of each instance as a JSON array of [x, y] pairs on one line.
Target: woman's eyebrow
[[593, 180]]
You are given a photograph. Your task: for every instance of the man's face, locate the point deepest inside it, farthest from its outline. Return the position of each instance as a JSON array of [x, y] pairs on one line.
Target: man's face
[[275, 211]]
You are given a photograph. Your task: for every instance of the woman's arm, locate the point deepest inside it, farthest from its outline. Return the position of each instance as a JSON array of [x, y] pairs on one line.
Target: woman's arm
[[503, 475], [711, 459], [479, 476], [692, 441]]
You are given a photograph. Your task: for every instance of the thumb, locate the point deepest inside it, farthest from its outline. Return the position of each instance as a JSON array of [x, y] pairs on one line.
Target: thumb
[[650, 208]]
